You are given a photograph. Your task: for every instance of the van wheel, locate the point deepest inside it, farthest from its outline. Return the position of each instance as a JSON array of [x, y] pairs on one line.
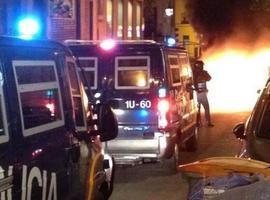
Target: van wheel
[[192, 143], [174, 161], [176, 156]]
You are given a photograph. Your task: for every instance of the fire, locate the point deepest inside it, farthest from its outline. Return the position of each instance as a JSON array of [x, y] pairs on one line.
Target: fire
[[237, 75]]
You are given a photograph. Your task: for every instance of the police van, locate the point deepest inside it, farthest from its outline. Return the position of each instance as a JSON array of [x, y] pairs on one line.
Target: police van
[[149, 86], [49, 146]]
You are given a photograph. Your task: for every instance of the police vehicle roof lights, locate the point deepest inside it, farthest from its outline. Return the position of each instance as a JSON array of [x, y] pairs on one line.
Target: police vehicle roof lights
[[107, 44], [28, 27], [170, 41]]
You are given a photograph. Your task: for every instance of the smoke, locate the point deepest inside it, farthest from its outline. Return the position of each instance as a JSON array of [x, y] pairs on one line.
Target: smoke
[[244, 21]]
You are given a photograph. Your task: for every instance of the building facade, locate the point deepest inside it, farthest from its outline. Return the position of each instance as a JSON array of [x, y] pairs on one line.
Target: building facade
[[184, 31], [159, 24], [77, 19]]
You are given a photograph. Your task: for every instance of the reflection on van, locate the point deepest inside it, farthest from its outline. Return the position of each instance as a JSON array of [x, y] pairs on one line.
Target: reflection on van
[[149, 87], [47, 145]]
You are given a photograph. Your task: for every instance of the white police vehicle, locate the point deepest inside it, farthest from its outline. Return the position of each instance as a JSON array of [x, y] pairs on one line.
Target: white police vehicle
[[49, 146]]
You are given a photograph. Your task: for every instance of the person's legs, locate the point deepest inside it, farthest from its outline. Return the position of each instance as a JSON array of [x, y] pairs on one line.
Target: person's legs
[[198, 117], [202, 98]]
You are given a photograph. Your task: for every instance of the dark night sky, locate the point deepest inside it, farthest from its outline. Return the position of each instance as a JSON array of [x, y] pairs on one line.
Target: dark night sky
[[219, 20]]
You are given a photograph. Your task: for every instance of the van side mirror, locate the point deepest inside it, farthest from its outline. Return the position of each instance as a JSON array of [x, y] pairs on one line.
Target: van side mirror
[[107, 123], [239, 131]]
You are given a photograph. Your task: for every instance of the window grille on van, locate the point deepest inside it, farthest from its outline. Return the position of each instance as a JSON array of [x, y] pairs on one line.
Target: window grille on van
[[174, 64], [76, 96], [89, 66], [39, 95], [186, 69], [132, 72]]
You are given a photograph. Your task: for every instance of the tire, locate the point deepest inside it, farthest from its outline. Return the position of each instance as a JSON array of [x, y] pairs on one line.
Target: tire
[[176, 156], [174, 161], [191, 144]]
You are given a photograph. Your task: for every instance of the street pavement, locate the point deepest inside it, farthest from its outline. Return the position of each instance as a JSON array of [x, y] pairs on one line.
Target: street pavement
[[157, 181]]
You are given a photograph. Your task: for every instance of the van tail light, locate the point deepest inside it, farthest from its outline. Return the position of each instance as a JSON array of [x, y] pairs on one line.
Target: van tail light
[[163, 108]]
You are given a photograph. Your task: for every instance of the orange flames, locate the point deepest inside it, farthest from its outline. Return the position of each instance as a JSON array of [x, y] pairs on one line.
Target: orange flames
[[237, 75]]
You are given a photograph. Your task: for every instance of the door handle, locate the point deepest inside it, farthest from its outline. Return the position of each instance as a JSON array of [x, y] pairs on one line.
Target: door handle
[[73, 152]]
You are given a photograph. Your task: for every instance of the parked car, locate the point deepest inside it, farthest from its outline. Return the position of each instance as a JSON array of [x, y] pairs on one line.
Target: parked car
[[149, 87], [255, 132], [49, 146]]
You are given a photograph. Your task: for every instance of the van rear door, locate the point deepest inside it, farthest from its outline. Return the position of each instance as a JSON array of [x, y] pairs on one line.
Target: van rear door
[[132, 87], [134, 100]]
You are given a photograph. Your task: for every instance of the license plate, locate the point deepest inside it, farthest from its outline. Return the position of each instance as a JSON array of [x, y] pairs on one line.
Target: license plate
[[142, 104]]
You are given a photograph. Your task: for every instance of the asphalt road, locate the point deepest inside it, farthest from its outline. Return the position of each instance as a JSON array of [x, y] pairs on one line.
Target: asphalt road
[[156, 181]]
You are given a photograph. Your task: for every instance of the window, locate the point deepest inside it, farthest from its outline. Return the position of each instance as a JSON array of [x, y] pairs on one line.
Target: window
[[132, 72], [3, 117], [89, 65], [61, 9], [175, 69], [75, 88], [185, 66], [76, 96], [120, 19], [39, 96], [109, 15], [186, 39], [129, 20], [138, 20]]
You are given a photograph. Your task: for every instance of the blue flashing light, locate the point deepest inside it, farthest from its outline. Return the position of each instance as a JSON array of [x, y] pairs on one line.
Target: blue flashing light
[[28, 27], [49, 93], [162, 92], [143, 113], [171, 41]]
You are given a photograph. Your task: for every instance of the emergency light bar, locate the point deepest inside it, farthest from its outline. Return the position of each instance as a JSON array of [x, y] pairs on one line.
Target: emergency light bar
[[107, 44], [28, 27], [171, 41]]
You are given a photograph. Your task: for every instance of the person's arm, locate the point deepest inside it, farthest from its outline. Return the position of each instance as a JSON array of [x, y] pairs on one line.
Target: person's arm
[[195, 81], [206, 76]]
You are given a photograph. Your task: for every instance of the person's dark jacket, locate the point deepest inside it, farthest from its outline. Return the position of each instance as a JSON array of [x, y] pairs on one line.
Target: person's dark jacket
[[200, 79]]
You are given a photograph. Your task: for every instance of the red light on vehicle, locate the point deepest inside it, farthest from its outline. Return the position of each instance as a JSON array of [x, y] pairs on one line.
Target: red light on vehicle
[[107, 44], [37, 152], [162, 122], [163, 108]]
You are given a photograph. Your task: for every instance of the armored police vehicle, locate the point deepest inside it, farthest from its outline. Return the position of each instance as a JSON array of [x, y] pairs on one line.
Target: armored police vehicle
[[49, 146], [149, 86]]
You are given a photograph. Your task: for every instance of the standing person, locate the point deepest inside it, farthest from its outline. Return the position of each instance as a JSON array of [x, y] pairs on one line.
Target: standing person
[[201, 76]]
